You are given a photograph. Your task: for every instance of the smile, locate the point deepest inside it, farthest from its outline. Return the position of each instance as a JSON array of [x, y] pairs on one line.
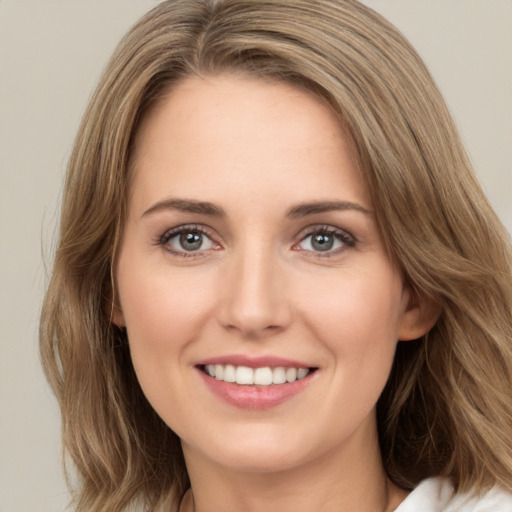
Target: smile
[[263, 376], [256, 382]]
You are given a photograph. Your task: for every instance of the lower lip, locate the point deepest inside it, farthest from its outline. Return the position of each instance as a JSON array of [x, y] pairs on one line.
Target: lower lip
[[255, 397]]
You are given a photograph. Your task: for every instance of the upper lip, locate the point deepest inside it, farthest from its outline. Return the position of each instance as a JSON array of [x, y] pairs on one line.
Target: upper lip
[[254, 361]]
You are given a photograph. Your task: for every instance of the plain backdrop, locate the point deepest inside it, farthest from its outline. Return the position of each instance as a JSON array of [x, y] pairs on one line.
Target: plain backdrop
[[51, 55]]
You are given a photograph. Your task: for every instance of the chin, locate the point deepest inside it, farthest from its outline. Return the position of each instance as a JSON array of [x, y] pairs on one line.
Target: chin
[[261, 451]]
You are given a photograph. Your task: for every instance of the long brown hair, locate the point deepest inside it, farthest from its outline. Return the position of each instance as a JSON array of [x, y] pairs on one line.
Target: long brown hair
[[447, 408]]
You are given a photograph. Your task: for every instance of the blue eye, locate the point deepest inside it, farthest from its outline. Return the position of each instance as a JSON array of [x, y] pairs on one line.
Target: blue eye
[[187, 239], [326, 240]]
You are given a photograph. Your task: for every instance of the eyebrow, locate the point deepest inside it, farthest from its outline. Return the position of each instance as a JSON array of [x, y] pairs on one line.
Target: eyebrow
[[186, 205], [207, 208], [305, 209]]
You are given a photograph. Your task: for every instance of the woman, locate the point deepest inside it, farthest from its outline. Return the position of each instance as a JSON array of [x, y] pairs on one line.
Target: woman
[[278, 284]]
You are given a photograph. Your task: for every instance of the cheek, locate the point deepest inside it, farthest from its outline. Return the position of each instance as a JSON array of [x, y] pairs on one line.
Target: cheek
[[356, 316], [163, 310], [349, 303], [356, 320], [164, 313]]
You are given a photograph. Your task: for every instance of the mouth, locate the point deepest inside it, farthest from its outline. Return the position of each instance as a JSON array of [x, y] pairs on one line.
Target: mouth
[[256, 382], [263, 376]]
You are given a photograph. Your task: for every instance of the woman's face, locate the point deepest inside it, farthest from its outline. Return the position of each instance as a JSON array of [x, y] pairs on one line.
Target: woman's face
[[251, 253]]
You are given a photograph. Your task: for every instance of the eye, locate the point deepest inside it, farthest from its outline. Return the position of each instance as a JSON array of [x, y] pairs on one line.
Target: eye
[[326, 239], [186, 240]]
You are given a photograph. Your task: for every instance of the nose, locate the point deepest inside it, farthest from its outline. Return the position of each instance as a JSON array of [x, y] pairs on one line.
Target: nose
[[254, 302]]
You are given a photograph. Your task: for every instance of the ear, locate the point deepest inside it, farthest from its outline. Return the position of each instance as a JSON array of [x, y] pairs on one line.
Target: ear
[[116, 316], [113, 306], [419, 316]]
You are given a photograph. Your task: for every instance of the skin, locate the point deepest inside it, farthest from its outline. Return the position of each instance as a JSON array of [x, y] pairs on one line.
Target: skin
[[257, 286]]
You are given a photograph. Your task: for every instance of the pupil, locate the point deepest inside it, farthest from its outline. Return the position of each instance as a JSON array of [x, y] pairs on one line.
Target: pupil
[[322, 242], [191, 241]]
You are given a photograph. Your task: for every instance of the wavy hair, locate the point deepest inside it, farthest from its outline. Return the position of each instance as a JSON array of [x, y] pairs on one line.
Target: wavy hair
[[447, 407]]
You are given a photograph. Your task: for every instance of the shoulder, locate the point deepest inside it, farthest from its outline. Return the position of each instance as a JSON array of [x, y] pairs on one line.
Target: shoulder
[[437, 495]]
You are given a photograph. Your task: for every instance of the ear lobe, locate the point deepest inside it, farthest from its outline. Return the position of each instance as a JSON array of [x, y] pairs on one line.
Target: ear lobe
[[419, 317], [115, 311], [112, 305], [116, 316]]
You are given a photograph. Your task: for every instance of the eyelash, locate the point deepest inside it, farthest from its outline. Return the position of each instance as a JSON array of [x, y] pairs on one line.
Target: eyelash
[[341, 235], [164, 239]]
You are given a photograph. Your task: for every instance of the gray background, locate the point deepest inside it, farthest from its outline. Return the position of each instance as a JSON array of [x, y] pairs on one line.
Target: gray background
[[51, 55]]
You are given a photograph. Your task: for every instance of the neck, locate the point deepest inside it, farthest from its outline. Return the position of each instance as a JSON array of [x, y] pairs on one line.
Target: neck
[[347, 478]]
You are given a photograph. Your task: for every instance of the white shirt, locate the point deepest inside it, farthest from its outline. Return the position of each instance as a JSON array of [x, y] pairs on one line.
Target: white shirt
[[437, 495]]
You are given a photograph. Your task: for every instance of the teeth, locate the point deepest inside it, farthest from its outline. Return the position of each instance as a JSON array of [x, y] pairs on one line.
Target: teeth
[[229, 374], [301, 373], [244, 375], [264, 376], [279, 376], [291, 374], [218, 370]]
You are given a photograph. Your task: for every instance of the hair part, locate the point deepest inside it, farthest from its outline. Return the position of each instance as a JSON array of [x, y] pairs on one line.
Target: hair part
[[447, 408]]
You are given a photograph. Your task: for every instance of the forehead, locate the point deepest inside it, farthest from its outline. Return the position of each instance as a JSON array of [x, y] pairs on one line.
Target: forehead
[[247, 133]]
